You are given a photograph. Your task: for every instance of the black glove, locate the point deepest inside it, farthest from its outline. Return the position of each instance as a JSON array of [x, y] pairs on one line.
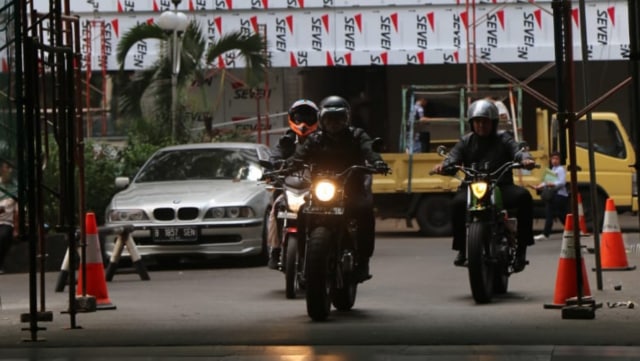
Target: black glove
[[381, 166], [287, 141]]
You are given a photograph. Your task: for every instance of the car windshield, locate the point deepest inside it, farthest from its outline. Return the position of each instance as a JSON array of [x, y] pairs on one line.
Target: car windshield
[[194, 164]]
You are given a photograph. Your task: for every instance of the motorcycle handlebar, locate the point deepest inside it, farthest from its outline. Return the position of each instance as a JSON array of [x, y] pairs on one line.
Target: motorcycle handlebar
[[473, 172], [366, 169]]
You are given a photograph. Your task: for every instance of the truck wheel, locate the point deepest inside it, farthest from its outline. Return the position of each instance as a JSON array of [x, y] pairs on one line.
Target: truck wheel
[[434, 216]]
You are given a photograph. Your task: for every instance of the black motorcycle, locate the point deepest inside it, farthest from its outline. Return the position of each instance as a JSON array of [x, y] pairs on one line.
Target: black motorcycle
[[492, 237], [331, 242]]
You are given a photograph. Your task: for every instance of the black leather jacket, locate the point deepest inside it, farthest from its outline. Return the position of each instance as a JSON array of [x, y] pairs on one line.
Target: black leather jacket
[[337, 152], [286, 146], [495, 150]]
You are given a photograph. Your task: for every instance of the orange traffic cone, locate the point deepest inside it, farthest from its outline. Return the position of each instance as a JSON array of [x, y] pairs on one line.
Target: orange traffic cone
[[566, 283], [581, 220], [96, 283], [613, 255]]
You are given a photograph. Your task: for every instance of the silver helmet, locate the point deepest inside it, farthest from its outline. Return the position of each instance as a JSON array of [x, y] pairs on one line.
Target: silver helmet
[[484, 108]]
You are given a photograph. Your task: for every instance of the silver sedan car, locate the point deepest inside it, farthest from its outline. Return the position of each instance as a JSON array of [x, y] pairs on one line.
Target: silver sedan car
[[195, 200]]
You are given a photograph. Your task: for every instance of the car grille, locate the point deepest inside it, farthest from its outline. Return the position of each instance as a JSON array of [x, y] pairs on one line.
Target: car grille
[[169, 214], [187, 214]]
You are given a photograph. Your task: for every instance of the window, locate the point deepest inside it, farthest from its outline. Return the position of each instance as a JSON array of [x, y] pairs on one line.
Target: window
[[605, 136]]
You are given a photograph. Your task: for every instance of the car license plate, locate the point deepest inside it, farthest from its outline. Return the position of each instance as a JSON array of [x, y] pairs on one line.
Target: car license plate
[[175, 234]]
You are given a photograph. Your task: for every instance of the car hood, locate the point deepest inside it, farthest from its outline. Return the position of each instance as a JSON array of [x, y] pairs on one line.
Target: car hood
[[219, 192]]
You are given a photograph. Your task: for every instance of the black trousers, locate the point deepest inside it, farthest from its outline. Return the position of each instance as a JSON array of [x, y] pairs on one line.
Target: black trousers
[[556, 208], [362, 210], [6, 239], [513, 197]]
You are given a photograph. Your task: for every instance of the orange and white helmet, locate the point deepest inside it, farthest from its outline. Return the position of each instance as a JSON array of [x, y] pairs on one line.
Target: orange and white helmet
[[303, 117]]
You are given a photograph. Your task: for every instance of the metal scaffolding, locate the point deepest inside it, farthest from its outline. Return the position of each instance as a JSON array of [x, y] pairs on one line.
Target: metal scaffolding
[[39, 95], [94, 31]]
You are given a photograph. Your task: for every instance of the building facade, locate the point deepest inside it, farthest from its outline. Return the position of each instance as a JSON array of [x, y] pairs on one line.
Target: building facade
[[367, 50]]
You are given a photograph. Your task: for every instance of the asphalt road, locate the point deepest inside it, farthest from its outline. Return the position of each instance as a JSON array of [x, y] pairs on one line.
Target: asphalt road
[[416, 299]]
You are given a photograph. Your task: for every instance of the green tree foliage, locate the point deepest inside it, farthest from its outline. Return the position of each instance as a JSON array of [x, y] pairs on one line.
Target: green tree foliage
[[151, 87], [102, 164]]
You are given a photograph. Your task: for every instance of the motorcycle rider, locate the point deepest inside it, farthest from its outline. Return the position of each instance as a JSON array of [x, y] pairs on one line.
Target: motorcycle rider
[[485, 145], [336, 147], [303, 120]]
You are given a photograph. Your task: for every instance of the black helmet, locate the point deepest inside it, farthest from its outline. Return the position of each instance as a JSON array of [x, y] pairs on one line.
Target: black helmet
[[303, 117], [483, 108], [334, 114]]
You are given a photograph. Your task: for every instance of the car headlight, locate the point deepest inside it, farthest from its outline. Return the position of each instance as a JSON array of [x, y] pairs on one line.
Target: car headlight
[[479, 189], [324, 190], [229, 212], [215, 213], [294, 201], [127, 215], [233, 212]]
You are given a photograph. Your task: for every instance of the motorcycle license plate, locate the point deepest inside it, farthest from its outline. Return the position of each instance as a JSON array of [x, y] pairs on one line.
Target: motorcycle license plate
[[287, 215], [175, 234], [326, 210]]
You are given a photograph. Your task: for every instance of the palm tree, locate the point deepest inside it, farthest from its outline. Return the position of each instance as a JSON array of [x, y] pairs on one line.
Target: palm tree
[[154, 83]]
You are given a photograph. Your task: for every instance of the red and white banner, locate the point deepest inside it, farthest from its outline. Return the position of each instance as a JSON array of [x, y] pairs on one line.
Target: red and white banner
[[304, 33]]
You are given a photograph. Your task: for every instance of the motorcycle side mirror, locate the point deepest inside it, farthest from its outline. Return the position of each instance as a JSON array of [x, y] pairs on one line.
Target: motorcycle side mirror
[[442, 150], [265, 164], [377, 145]]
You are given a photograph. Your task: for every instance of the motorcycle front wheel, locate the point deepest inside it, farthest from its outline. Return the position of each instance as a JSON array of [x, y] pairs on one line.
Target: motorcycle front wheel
[[291, 268], [481, 269], [319, 263]]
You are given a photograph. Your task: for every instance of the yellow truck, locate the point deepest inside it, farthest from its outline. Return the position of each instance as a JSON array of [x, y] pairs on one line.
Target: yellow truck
[[411, 193]]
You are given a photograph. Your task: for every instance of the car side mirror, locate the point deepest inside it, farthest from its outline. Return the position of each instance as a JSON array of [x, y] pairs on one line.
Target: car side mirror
[[122, 182]]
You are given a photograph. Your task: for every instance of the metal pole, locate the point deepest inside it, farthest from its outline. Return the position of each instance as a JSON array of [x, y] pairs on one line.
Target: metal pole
[[174, 85], [634, 58], [592, 174]]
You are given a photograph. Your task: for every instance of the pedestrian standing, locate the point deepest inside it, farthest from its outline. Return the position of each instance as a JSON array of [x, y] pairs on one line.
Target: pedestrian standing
[[8, 210], [421, 134], [556, 198]]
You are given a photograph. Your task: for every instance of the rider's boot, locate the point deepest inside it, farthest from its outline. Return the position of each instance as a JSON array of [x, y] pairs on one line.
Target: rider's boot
[[361, 273], [461, 259], [274, 258], [521, 259]]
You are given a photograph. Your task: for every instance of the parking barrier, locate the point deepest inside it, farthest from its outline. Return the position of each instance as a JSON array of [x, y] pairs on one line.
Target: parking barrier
[[124, 239]]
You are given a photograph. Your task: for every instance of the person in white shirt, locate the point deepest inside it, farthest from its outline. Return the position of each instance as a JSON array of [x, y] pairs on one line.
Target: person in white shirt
[[8, 211], [556, 207], [421, 134]]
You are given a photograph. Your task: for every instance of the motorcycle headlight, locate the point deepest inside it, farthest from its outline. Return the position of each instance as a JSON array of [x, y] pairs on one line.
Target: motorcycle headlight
[[294, 201], [324, 190], [479, 189]]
